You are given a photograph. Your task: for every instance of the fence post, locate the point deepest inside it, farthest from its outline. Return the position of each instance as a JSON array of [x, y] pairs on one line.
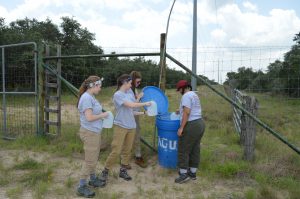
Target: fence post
[[41, 91], [162, 63], [249, 134]]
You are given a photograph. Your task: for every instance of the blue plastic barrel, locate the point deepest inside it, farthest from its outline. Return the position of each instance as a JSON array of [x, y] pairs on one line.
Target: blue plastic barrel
[[167, 141], [167, 129]]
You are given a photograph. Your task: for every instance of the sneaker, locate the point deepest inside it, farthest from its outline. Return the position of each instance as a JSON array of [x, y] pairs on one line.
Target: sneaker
[[128, 167], [97, 182], [123, 174], [84, 191], [140, 161], [104, 175], [192, 175], [183, 177]]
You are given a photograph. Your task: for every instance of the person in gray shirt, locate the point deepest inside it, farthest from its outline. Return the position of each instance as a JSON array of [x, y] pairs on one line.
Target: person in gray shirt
[[91, 115], [190, 132], [124, 128]]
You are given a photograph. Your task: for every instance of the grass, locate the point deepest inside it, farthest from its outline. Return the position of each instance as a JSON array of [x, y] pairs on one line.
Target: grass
[[36, 177], [275, 172], [14, 192], [29, 164]]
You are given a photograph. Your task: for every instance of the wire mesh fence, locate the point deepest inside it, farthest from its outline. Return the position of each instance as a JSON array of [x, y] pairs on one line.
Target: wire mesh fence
[[215, 63], [18, 90]]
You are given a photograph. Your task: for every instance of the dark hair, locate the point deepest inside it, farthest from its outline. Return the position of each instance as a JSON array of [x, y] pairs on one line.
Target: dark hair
[[85, 85], [122, 79], [135, 75], [182, 89]]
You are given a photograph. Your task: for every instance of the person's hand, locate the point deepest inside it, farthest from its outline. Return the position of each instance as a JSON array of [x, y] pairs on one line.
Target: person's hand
[[147, 103], [140, 95], [180, 132], [104, 115]]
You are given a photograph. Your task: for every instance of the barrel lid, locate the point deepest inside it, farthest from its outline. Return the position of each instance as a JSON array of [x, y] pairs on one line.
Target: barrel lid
[[157, 95]]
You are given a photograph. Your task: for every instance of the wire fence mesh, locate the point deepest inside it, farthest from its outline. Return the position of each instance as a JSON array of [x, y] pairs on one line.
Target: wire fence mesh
[[18, 88], [213, 62]]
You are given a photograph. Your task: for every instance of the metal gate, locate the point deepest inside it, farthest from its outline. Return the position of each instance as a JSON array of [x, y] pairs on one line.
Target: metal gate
[[18, 90]]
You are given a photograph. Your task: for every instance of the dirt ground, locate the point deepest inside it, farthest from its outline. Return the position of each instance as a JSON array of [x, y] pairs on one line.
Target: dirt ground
[[151, 182]]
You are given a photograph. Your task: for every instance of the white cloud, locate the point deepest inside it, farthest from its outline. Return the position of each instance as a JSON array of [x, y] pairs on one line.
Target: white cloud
[[218, 34], [249, 6], [253, 29]]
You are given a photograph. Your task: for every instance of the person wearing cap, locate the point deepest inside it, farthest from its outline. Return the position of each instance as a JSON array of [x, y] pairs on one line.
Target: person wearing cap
[[190, 132], [124, 128], [91, 116]]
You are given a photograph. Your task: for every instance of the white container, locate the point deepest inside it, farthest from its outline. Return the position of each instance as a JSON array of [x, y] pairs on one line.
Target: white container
[[152, 109], [109, 121], [174, 116]]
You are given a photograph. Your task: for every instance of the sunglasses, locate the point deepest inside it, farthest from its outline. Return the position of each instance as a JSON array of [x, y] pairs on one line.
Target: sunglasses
[[138, 82]]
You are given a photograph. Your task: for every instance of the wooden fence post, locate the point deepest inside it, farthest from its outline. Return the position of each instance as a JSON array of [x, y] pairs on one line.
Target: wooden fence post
[[41, 86], [162, 63], [251, 104]]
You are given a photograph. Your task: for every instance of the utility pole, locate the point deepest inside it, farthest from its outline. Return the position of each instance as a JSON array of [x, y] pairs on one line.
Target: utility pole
[[194, 53]]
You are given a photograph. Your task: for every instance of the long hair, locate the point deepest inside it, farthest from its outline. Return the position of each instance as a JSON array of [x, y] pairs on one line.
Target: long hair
[[135, 75], [122, 79], [85, 85]]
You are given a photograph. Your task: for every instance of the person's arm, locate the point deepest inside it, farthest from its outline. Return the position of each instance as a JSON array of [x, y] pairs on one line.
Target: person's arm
[[185, 117], [90, 117], [136, 104]]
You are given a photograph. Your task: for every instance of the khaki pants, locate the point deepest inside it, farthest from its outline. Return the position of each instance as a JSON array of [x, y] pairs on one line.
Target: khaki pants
[[91, 145], [137, 139], [121, 145]]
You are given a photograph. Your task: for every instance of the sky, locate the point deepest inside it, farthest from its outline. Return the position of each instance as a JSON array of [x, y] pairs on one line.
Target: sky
[[230, 34]]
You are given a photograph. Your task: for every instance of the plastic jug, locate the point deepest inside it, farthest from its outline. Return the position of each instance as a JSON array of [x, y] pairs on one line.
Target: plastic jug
[[109, 121], [174, 116], [152, 109]]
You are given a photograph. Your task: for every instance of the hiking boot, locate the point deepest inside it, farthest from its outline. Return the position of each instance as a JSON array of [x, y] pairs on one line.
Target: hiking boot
[[192, 175], [128, 167], [123, 174], [183, 177], [104, 175], [97, 182], [85, 192], [140, 161]]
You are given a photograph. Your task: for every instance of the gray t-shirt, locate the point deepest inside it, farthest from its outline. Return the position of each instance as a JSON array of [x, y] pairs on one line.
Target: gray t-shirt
[[132, 96], [191, 100], [88, 101], [124, 115]]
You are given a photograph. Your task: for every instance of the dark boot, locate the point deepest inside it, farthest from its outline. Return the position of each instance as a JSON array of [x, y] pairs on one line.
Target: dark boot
[[104, 175], [192, 175], [141, 162], [183, 177], [97, 182], [123, 174], [84, 191]]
